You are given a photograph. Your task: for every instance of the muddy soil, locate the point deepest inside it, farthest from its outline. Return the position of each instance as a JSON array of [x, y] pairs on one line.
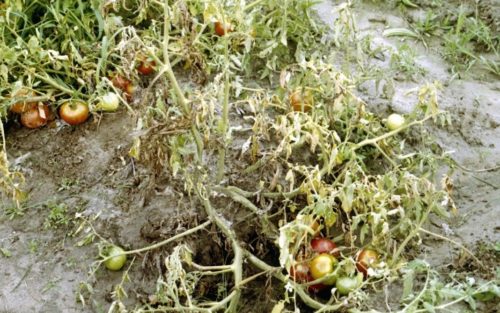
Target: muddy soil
[[87, 170]]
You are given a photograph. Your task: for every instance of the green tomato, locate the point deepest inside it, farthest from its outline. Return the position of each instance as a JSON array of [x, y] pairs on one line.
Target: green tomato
[[117, 260], [109, 102], [346, 285], [395, 121]]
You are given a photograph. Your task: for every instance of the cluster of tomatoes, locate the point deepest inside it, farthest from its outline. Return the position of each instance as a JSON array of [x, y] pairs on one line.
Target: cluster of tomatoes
[[38, 114], [75, 112], [323, 264]]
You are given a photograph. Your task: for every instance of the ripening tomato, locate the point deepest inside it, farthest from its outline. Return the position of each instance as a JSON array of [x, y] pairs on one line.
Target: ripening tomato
[[395, 121], [299, 272], [301, 101], [23, 106], [109, 102], [146, 66], [346, 285], [366, 259], [129, 92], [37, 116], [74, 113], [221, 29], [118, 258], [324, 245], [322, 265], [121, 82]]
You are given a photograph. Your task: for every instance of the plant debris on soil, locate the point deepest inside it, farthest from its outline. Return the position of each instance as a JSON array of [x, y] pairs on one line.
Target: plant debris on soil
[[225, 137]]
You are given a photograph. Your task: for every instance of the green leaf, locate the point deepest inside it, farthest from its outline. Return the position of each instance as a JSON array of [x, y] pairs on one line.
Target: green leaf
[[6, 253]]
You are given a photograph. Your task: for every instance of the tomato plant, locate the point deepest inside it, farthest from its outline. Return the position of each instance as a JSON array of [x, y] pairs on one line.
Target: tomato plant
[[109, 102], [366, 259], [395, 121], [324, 245], [323, 265], [301, 101], [74, 113], [346, 285], [117, 260], [35, 117]]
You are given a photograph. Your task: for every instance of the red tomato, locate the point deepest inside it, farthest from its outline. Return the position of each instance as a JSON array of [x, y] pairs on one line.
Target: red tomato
[[322, 265], [301, 101], [121, 82], [366, 259], [36, 116], [74, 113], [324, 245], [221, 29], [146, 67]]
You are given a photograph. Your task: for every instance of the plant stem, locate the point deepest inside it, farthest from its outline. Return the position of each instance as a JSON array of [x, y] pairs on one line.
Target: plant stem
[[224, 122], [453, 242], [237, 264], [164, 242], [175, 84], [372, 141]]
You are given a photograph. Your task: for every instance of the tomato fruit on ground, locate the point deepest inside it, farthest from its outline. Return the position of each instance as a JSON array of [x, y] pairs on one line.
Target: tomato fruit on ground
[[221, 29], [37, 116], [146, 66], [324, 245], [117, 260], [299, 272], [346, 285], [23, 106], [109, 102], [301, 101], [395, 121], [74, 113], [366, 259], [322, 265]]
